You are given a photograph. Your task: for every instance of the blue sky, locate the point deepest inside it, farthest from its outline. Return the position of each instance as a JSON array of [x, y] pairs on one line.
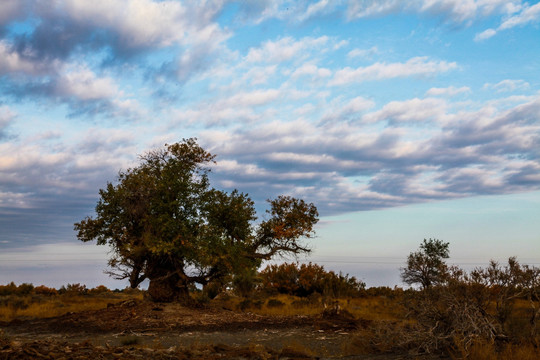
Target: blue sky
[[399, 120]]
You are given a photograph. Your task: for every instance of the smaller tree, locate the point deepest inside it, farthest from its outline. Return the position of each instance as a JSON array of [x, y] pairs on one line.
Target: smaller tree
[[426, 266]]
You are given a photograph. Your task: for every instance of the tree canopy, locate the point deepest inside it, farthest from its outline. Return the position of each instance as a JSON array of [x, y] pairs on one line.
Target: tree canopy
[[426, 266], [164, 222]]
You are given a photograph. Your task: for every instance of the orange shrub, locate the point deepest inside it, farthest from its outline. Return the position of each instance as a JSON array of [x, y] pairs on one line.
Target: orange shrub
[[44, 290]]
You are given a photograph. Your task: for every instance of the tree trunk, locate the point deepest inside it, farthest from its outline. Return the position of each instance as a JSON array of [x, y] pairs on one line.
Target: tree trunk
[[169, 289]]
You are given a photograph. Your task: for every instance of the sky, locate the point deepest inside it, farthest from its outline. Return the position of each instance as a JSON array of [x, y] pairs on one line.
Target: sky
[[399, 120]]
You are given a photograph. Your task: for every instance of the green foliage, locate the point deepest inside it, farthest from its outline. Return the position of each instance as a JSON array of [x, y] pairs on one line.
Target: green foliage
[[426, 266], [165, 223], [308, 279], [245, 282]]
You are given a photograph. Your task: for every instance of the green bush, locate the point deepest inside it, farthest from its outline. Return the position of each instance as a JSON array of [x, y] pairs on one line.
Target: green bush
[[245, 282]]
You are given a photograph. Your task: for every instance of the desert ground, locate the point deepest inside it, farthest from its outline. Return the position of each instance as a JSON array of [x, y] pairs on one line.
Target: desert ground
[[132, 327]]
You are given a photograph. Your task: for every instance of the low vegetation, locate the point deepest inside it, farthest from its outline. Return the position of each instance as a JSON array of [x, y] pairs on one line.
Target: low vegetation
[[487, 313], [28, 302]]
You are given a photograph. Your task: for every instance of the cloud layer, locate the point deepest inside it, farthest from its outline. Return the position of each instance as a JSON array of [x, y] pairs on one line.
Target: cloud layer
[[353, 115]]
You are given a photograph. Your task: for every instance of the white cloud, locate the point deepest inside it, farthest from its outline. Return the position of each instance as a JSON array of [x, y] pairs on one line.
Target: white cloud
[[448, 91], [238, 107], [284, 49], [259, 75], [346, 111], [363, 53], [145, 23], [457, 10], [454, 11], [6, 117], [524, 15], [410, 111], [311, 70], [486, 34], [415, 66], [249, 99], [527, 15], [360, 9], [81, 83], [13, 62], [15, 200], [319, 7], [508, 85]]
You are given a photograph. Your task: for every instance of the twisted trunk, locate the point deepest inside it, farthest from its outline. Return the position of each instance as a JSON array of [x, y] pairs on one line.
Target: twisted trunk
[[168, 289], [168, 284]]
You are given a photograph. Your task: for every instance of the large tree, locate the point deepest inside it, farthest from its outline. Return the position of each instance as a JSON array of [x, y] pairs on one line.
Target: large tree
[[426, 266], [165, 223]]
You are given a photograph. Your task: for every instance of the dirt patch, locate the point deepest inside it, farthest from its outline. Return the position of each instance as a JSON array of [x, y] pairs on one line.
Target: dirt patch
[[140, 329], [141, 316]]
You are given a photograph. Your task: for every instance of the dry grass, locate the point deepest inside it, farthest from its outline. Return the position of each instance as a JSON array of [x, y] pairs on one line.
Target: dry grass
[[39, 306], [376, 308], [383, 324]]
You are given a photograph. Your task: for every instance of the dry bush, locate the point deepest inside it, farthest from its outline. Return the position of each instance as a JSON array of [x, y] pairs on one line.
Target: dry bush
[[98, 290], [386, 337], [73, 289], [12, 289], [44, 290], [482, 350], [476, 310]]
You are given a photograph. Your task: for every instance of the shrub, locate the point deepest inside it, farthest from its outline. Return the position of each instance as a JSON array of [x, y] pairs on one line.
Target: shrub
[[480, 306], [101, 289], [44, 290], [73, 289], [10, 289], [212, 289], [245, 282], [308, 279], [25, 289]]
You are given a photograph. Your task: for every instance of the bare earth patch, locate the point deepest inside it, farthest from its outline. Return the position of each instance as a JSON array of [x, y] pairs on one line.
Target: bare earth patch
[[139, 329]]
